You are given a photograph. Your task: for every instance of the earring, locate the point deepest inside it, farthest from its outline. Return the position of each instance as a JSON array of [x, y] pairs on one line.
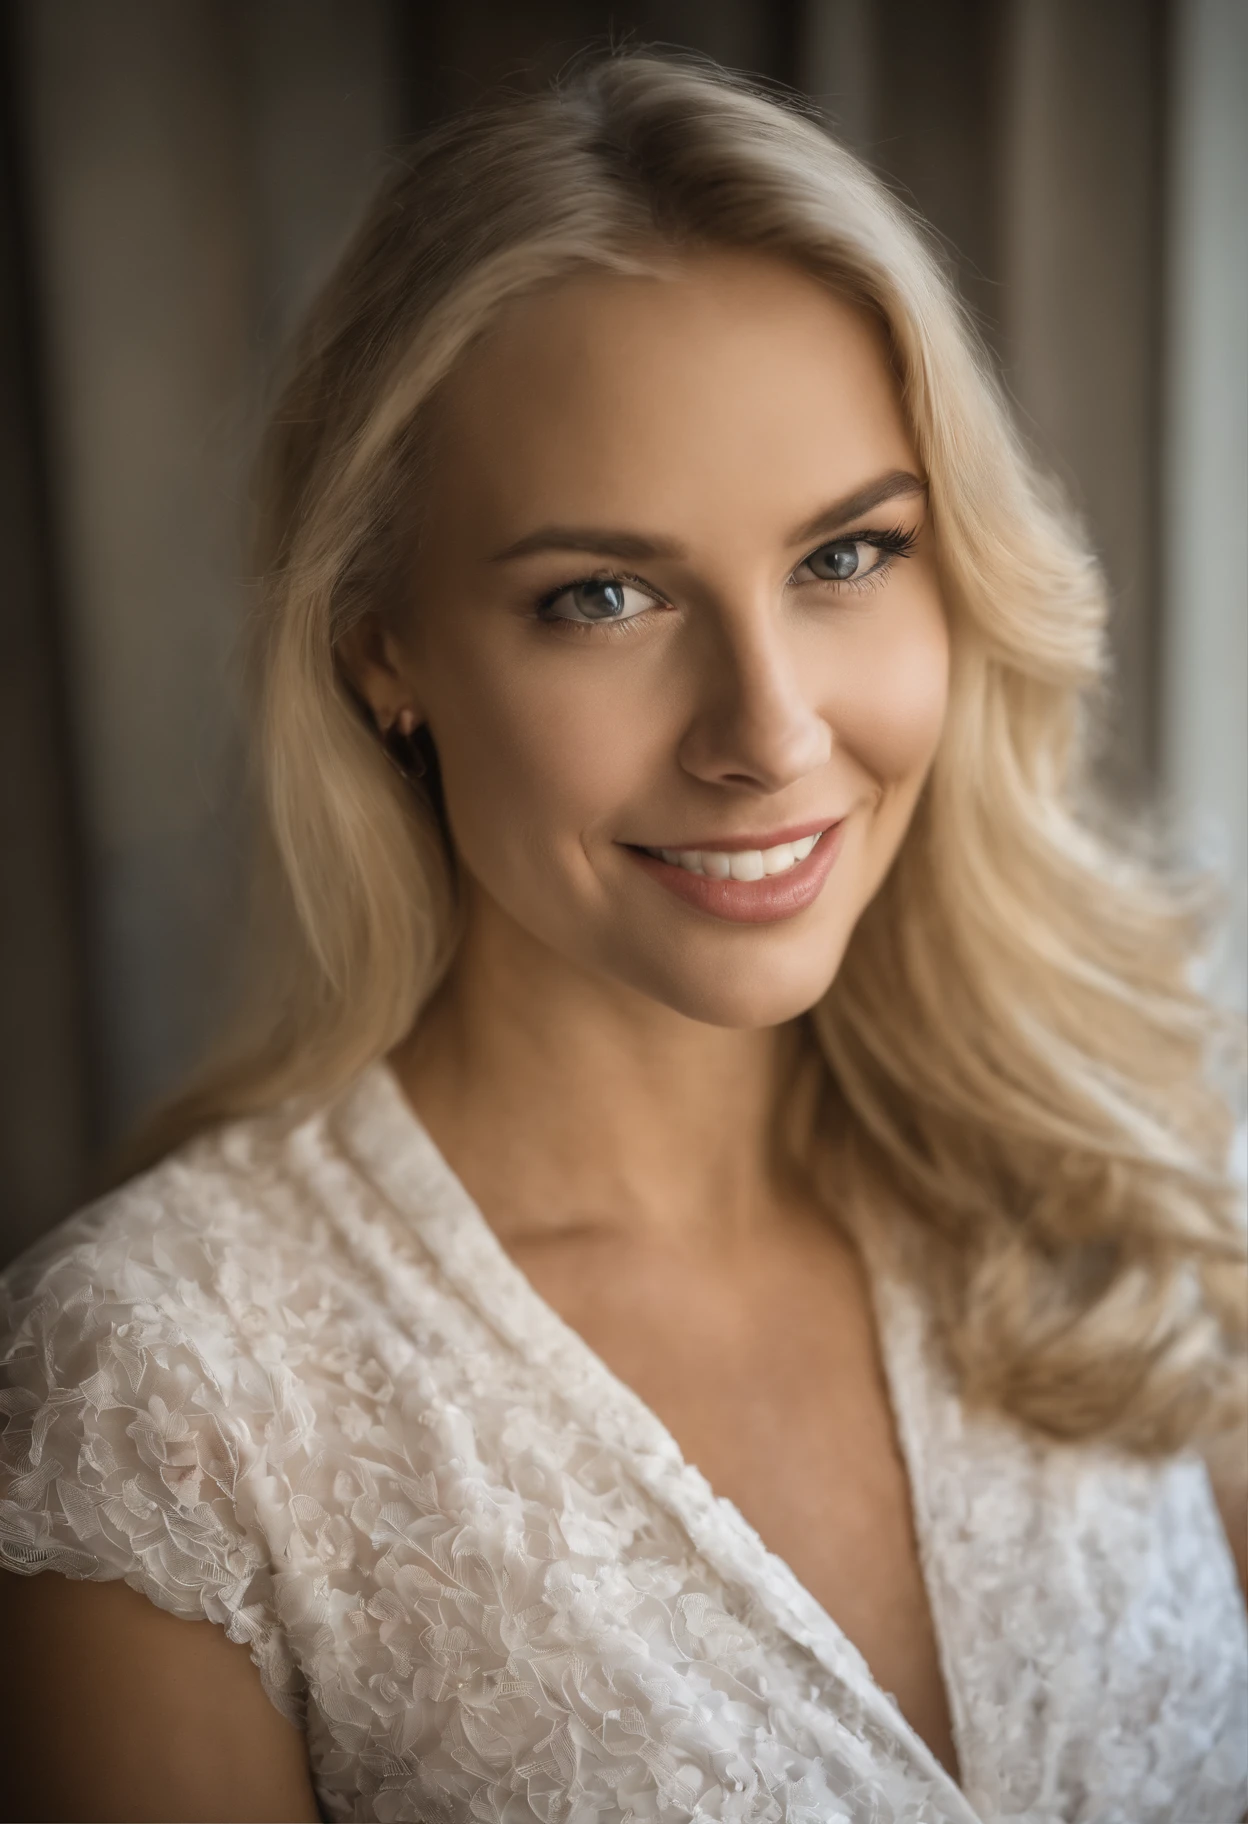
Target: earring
[[398, 737]]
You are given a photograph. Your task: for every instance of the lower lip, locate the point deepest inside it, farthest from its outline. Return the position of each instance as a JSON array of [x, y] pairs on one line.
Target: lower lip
[[750, 902]]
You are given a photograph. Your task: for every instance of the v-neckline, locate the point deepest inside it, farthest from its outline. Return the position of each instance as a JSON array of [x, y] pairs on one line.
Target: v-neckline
[[390, 1141]]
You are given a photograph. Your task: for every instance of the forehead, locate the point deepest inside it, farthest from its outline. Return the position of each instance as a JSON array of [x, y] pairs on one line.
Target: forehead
[[728, 378]]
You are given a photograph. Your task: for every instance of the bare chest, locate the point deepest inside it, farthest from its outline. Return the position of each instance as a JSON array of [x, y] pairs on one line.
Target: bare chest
[[767, 1374]]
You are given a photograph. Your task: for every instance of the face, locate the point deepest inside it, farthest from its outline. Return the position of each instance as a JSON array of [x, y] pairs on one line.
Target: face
[[676, 630]]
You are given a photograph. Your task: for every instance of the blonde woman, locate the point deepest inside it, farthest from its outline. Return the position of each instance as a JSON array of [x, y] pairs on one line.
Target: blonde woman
[[705, 1291]]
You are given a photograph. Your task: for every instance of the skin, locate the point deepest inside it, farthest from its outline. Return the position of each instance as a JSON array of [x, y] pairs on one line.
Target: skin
[[83, 1661], [602, 1067]]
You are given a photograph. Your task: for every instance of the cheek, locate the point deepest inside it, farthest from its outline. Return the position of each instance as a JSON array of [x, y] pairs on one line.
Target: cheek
[[889, 696], [532, 760]]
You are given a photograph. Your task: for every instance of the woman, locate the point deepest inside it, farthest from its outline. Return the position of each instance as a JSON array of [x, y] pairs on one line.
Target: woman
[[700, 1032]]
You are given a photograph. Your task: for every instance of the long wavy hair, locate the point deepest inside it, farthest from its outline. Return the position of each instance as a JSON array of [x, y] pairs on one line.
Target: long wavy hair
[[1013, 1044]]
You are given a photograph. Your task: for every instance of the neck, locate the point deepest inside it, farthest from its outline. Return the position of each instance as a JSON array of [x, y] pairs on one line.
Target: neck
[[567, 1101]]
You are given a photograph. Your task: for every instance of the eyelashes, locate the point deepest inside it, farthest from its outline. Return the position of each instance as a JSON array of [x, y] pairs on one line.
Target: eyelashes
[[893, 541], [601, 600], [835, 565], [839, 562]]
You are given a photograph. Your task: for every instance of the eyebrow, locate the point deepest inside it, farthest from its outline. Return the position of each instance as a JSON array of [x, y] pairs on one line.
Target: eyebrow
[[612, 541], [899, 484]]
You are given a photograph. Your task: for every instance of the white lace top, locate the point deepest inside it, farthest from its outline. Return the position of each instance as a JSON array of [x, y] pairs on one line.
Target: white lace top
[[291, 1381]]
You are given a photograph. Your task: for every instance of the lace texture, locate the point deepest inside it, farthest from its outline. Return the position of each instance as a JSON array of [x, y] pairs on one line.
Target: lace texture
[[291, 1382]]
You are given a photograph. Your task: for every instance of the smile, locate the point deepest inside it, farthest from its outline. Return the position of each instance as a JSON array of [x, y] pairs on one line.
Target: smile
[[757, 884], [739, 864]]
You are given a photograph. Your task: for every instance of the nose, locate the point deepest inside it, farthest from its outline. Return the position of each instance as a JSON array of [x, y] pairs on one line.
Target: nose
[[755, 726]]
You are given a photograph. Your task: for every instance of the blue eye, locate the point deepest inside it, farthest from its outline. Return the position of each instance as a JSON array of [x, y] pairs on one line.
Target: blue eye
[[598, 601], [845, 560], [854, 560], [596, 598]]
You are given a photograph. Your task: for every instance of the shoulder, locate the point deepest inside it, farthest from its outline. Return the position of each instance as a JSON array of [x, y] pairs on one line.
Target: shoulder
[[187, 1251], [145, 1359], [209, 1316], [203, 1286]]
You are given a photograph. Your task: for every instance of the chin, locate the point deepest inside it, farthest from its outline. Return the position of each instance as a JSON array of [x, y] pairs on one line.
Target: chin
[[748, 991]]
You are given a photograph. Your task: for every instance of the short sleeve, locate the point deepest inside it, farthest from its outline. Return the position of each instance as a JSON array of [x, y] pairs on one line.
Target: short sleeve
[[119, 1453]]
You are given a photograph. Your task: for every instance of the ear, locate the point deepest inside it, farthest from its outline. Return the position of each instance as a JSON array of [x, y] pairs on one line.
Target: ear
[[376, 666]]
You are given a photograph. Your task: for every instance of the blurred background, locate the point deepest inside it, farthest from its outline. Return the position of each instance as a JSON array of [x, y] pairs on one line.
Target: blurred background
[[176, 176]]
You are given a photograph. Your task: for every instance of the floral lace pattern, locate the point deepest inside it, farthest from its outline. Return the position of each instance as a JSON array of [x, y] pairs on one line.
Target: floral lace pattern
[[290, 1381]]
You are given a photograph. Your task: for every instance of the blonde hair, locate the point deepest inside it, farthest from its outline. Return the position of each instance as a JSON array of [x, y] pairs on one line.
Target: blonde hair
[[1012, 1043]]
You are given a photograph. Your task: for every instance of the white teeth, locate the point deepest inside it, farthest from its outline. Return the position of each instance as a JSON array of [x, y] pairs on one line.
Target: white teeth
[[741, 864], [777, 860], [747, 864]]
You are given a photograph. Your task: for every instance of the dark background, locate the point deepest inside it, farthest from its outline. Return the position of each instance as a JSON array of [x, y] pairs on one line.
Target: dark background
[[176, 177]]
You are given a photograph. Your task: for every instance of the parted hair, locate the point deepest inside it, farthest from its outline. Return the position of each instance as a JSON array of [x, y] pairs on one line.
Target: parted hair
[[1013, 1045]]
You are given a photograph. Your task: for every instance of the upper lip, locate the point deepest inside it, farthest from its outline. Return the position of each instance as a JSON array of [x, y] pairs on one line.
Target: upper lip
[[732, 845]]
